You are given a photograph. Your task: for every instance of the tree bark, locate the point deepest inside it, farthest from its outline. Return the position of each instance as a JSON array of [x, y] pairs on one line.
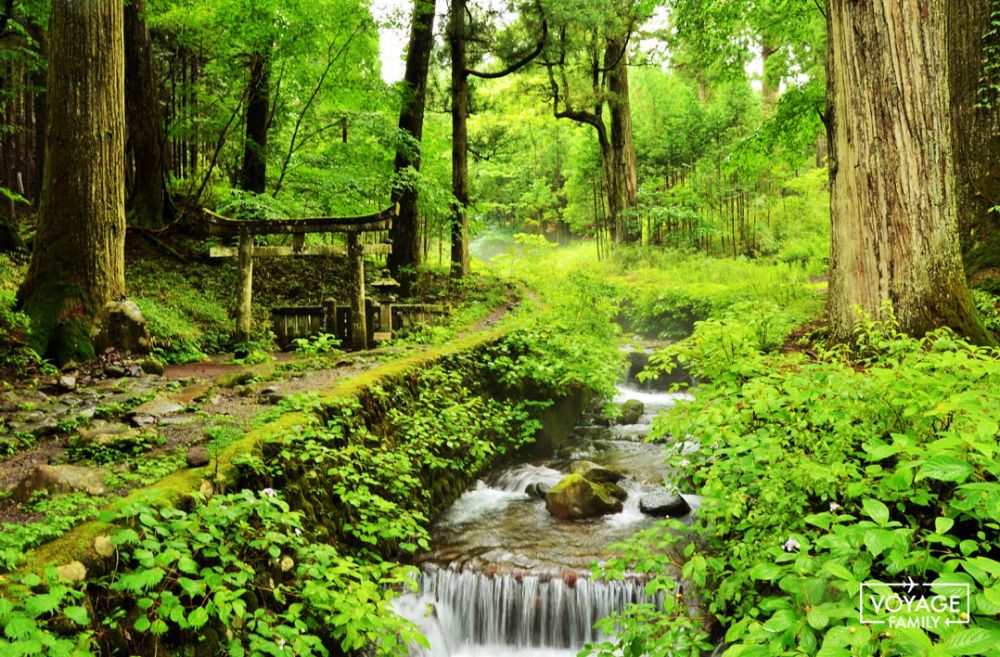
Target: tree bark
[[459, 141], [976, 136], [146, 197], [894, 236], [405, 235], [78, 263], [253, 177], [625, 164]]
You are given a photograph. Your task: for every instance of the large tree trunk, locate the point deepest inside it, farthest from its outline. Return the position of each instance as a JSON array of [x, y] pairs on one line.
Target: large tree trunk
[[626, 170], [78, 264], [459, 141], [893, 210], [146, 197], [976, 125], [405, 234], [253, 177]]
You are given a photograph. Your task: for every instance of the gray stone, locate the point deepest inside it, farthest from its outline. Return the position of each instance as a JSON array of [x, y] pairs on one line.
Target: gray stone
[[632, 411], [114, 371], [58, 479], [141, 420], [106, 433], [157, 407], [197, 457], [120, 325], [67, 382], [537, 490], [662, 504], [575, 497], [597, 473], [269, 395]]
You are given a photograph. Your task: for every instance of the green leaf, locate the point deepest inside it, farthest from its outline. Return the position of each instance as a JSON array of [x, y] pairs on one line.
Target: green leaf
[[198, 617], [970, 641], [765, 571], [943, 524], [41, 604], [876, 510], [817, 619], [838, 571], [187, 565], [141, 580], [945, 468], [141, 624], [77, 614]]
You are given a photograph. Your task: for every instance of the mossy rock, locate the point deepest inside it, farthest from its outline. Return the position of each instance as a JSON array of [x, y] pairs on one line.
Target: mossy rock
[[600, 474], [632, 411], [576, 497]]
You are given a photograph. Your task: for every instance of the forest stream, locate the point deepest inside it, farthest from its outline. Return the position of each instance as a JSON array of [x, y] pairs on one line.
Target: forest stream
[[504, 577]]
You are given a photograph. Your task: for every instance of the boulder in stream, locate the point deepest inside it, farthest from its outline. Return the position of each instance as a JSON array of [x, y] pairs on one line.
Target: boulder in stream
[[577, 497], [597, 473], [632, 411], [662, 504], [536, 490]]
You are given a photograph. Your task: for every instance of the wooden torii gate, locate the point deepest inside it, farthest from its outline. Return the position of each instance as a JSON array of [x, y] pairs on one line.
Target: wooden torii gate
[[247, 229]]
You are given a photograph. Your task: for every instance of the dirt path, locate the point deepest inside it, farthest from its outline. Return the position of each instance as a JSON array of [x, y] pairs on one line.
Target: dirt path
[[50, 422]]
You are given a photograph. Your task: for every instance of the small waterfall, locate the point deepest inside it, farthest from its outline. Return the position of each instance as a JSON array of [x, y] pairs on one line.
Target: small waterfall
[[462, 610]]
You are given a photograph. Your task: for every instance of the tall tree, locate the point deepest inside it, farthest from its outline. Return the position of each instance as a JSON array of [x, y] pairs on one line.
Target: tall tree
[[147, 200], [78, 263], [893, 201], [601, 56], [253, 175], [975, 113], [460, 139], [405, 235]]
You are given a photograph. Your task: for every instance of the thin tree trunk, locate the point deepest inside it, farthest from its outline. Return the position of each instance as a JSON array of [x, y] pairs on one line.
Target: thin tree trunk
[[253, 177], [975, 112], [894, 235], [405, 234], [459, 141], [78, 264], [146, 201]]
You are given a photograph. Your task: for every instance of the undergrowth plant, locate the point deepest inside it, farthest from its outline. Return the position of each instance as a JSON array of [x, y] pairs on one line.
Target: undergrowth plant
[[820, 470]]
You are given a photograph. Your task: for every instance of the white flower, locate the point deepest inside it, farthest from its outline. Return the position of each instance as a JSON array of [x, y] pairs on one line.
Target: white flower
[[834, 506], [269, 492], [685, 463], [298, 532], [281, 644], [791, 545]]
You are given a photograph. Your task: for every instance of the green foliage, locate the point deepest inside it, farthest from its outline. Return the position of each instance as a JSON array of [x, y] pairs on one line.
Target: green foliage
[[870, 462], [988, 306], [114, 451], [241, 569], [185, 318], [32, 608], [318, 345], [701, 288], [57, 515]]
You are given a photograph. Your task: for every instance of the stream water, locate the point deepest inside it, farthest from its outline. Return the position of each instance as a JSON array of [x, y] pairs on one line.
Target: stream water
[[504, 577]]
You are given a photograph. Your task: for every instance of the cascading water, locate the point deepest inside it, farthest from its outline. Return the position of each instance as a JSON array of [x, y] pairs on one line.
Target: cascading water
[[507, 578]]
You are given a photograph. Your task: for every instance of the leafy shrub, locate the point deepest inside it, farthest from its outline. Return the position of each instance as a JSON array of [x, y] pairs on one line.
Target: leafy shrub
[[873, 462]]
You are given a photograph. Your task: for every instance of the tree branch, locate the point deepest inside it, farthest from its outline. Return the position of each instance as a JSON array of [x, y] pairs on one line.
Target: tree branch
[[518, 65]]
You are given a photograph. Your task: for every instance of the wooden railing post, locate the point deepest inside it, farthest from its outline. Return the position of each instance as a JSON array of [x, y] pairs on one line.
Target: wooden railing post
[[356, 263], [244, 291]]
